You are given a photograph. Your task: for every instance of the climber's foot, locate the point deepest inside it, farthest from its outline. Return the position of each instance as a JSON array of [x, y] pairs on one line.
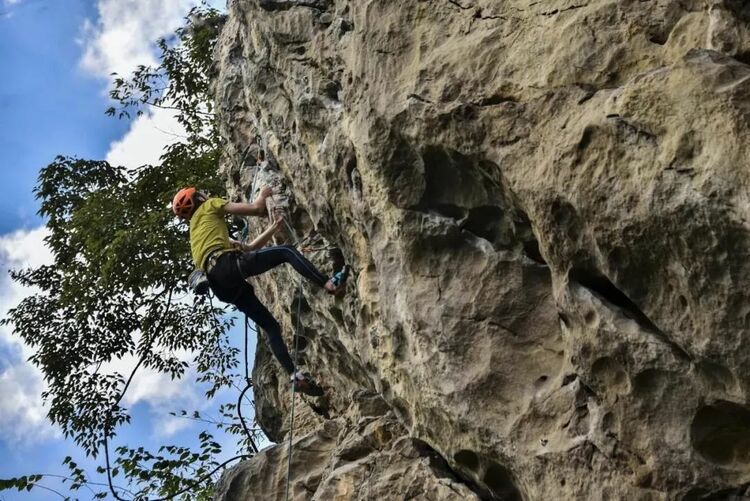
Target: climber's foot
[[337, 284], [303, 383]]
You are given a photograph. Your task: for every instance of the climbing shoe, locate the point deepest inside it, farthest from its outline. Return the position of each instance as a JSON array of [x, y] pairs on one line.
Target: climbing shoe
[[338, 281], [303, 383]]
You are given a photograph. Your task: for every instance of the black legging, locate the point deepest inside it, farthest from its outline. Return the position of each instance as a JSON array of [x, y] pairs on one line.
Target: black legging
[[256, 262], [227, 279]]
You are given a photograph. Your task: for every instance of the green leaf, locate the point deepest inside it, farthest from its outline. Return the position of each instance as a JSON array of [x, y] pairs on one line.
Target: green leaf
[[120, 262]]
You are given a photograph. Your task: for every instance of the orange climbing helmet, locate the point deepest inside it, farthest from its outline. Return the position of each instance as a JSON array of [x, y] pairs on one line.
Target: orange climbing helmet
[[183, 203]]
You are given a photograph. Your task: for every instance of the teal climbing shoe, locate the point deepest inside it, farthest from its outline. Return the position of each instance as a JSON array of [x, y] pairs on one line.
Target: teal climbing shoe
[[338, 281]]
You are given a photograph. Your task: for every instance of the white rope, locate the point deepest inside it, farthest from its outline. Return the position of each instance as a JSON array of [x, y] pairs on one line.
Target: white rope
[[294, 360], [293, 234]]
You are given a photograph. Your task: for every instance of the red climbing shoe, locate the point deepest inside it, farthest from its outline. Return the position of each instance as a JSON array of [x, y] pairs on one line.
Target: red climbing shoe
[[303, 383]]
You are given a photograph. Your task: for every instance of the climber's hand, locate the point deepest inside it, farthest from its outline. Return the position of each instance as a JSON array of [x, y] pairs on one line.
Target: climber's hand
[[264, 237], [278, 223], [266, 192]]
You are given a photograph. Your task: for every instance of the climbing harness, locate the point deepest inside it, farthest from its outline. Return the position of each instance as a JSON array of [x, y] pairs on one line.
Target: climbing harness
[[198, 282]]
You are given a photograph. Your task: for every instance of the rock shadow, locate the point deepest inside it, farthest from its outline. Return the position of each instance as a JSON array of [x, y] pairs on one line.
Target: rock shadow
[[492, 480], [720, 432]]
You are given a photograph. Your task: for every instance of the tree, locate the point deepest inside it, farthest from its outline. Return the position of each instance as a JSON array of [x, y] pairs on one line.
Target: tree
[[120, 266]]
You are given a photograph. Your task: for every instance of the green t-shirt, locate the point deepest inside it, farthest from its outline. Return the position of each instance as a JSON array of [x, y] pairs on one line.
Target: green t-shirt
[[208, 230]]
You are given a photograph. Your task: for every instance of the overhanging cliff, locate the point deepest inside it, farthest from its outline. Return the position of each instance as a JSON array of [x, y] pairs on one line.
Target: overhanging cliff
[[546, 207]]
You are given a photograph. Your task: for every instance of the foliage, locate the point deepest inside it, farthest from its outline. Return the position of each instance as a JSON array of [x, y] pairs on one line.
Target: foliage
[[117, 287], [181, 82]]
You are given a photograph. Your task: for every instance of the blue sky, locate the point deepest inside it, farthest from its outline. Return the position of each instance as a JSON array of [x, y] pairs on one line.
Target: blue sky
[[48, 106], [55, 58]]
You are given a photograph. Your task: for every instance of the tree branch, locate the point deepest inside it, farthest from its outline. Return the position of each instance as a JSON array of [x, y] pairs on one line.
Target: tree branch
[[108, 422]]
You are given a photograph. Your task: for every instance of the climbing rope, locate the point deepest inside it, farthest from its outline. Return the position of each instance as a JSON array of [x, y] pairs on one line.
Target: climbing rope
[[248, 382], [108, 430], [245, 231], [247, 365], [293, 234], [294, 359], [248, 385]]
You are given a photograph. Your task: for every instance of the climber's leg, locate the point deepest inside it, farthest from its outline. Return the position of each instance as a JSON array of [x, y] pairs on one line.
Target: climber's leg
[[257, 262], [251, 306]]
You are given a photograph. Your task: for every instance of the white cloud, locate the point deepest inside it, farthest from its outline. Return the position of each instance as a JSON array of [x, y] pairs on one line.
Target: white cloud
[[146, 139], [18, 250], [173, 396], [123, 35], [8, 5], [162, 395], [120, 40], [22, 414]]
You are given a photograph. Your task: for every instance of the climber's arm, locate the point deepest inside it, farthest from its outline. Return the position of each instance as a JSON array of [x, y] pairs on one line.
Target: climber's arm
[[264, 237], [237, 244], [255, 208]]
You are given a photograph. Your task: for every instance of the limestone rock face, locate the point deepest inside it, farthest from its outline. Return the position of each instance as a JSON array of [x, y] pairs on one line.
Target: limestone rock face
[[545, 206], [364, 454]]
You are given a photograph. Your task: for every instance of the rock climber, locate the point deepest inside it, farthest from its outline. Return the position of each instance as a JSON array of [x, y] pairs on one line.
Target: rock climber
[[228, 264]]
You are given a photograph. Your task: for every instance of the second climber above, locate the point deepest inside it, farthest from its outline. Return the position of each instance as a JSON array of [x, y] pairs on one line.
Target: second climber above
[[228, 264]]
